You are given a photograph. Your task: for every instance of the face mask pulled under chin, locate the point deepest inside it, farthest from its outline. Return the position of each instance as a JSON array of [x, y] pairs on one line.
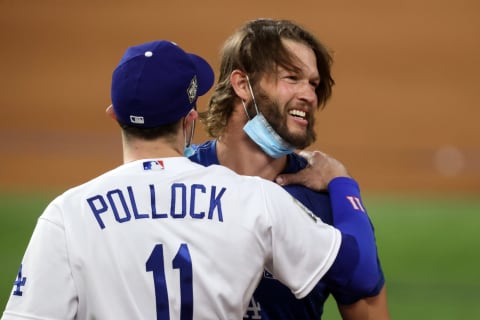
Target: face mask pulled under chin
[[262, 133], [189, 151]]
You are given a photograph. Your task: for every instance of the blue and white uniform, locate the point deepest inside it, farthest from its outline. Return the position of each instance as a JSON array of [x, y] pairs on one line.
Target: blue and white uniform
[[167, 239], [272, 300]]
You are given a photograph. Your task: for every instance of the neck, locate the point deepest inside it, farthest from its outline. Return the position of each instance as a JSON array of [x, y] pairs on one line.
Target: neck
[[238, 152], [140, 149]]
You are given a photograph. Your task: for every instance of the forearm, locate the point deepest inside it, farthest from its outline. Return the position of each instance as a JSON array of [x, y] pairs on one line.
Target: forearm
[[350, 217]]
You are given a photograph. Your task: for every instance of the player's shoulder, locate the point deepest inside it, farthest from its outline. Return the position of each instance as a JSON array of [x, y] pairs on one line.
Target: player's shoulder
[[202, 147], [205, 153], [295, 163], [94, 183]]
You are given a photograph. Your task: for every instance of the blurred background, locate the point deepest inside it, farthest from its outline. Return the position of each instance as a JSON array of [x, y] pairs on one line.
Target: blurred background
[[403, 118]]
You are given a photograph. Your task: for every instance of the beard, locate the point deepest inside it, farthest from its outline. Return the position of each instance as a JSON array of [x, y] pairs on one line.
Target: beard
[[271, 111]]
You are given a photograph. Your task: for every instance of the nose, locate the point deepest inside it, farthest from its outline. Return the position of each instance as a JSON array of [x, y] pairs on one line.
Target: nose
[[307, 93]]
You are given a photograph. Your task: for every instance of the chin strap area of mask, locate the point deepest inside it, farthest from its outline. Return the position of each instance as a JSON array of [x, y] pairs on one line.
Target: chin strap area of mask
[[262, 133]]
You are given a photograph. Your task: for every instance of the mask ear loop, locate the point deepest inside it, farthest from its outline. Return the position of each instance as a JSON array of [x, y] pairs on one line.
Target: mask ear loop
[[192, 132], [245, 108], [251, 93]]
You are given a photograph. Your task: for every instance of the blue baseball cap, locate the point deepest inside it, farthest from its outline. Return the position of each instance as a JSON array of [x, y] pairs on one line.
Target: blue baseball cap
[[158, 83]]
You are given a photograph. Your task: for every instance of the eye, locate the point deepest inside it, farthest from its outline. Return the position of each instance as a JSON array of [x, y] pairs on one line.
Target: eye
[[292, 77]]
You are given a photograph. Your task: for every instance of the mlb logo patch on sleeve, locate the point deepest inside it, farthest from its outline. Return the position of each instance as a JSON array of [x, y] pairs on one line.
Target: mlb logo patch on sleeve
[[154, 165]]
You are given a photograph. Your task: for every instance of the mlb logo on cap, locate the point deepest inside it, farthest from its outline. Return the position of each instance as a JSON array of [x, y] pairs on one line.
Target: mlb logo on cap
[[158, 83]]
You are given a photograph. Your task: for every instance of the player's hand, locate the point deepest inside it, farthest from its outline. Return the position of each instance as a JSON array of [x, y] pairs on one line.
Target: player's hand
[[321, 169]]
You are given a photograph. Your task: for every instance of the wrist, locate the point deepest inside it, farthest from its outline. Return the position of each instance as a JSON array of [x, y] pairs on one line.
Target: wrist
[[342, 182]]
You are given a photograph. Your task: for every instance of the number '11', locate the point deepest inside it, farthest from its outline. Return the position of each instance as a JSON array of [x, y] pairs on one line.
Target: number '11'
[[183, 262]]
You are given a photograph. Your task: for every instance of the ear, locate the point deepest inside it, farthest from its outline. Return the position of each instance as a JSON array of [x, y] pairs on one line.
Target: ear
[[110, 112], [189, 126], [238, 79], [191, 116], [189, 120]]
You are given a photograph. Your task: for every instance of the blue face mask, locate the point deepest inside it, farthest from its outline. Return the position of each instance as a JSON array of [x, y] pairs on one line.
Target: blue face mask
[[262, 133], [188, 151]]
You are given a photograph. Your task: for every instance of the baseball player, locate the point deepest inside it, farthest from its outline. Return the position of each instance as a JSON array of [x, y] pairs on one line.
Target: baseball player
[[273, 76], [161, 237]]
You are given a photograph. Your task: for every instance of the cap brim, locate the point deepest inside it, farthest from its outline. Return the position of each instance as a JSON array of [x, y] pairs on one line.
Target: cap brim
[[205, 74]]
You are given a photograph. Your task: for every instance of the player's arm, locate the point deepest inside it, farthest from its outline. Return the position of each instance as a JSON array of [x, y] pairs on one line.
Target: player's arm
[[375, 308], [372, 305], [350, 217], [44, 287], [372, 302]]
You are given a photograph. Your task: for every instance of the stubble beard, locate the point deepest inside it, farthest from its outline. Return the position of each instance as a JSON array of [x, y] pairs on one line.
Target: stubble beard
[[271, 111]]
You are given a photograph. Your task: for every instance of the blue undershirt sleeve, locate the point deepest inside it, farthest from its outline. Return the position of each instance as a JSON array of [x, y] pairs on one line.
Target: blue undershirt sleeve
[[356, 270]]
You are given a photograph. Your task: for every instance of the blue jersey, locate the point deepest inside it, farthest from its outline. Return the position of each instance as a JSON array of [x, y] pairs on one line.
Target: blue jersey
[[272, 300]]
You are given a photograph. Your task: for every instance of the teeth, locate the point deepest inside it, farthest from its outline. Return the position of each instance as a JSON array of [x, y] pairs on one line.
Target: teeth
[[298, 113]]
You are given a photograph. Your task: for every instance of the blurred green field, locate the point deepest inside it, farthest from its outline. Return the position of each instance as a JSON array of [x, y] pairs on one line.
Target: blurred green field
[[430, 250]]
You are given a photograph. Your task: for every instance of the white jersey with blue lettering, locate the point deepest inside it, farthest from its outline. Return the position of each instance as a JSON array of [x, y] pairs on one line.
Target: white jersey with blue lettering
[[167, 239]]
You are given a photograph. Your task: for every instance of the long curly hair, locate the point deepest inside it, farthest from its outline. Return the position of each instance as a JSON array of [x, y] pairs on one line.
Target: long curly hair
[[256, 49]]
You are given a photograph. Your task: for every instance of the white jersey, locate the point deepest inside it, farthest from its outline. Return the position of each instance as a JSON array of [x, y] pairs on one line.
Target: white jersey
[[167, 239]]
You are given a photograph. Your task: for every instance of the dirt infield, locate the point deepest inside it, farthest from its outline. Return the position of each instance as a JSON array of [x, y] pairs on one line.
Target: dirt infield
[[404, 115]]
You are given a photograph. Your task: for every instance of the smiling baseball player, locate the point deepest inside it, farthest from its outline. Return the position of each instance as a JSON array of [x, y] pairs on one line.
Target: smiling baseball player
[[161, 237]]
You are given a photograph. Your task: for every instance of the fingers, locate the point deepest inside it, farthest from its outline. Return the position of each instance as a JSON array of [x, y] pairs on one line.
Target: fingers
[[306, 154], [321, 169], [291, 178], [306, 177], [313, 156]]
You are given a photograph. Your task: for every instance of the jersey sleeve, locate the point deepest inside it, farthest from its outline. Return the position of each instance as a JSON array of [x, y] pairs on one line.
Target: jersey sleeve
[[352, 281], [44, 288], [303, 247]]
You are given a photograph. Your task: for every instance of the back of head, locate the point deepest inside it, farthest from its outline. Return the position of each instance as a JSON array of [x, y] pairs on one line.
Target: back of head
[[257, 48], [157, 83]]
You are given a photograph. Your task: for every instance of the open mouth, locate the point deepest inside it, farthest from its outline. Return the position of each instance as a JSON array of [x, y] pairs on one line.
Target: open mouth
[[298, 113]]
